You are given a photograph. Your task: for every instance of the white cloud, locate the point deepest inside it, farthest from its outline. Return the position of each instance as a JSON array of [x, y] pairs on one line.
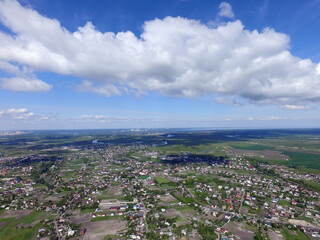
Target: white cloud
[[10, 68], [225, 10], [17, 111], [295, 107], [174, 56], [24, 81], [107, 90], [272, 118], [102, 118], [19, 114], [16, 114], [24, 85]]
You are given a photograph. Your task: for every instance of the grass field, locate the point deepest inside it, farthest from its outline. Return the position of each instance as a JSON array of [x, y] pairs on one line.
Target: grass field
[[184, 209], [298, 236], [88, 210], [303, 159], [97, 219], [161, 180], [10, 232], [248, 146]]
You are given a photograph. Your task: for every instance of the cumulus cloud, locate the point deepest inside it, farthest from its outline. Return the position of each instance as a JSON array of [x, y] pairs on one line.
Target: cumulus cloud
[[16, 114], [24, 81], [24, 85], [10, 68], [107, 90], [17, 110], [272, 118], [24, 114], [174, 56], [295, 107], [225, 10]]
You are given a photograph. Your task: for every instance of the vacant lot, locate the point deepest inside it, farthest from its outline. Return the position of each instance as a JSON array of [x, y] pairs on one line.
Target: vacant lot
[[239, 229], [98, 230], [183, 213], [15, 214], [275, 236], [83, 218], [168, 198]]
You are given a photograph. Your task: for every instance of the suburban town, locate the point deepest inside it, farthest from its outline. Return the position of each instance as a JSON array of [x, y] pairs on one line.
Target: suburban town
[[135, 191]]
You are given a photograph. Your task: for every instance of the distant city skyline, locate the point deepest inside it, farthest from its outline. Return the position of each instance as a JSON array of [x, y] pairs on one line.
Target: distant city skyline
[[159, 64]]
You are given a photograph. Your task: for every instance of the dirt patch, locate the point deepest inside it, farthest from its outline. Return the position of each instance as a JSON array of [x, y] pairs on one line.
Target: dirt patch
[[83, 218], [301, 222], [168, 198], [172, 212], [2, 224], [275, 236], [54, 198], [98, 230], [18, 214], [244, 210], [240, 231]]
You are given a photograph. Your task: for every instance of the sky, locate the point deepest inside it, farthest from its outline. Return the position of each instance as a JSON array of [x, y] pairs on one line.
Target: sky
[[81, 64]]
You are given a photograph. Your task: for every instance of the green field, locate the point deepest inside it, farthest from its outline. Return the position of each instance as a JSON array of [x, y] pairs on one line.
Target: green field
[[298, 236], [88, 210], [161, 180], [97, 219], [248, 146], [303, 159], [10, 231]]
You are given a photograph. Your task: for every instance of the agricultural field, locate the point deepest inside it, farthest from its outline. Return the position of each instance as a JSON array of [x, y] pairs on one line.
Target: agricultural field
[[23, 224]]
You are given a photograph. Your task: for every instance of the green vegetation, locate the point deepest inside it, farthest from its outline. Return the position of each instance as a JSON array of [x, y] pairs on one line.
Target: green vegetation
[[160, 180], [10, 231], [184, 209], [303, 159], [248, 146], [97, 219], [88, 210], [289, 236], [207, 232]]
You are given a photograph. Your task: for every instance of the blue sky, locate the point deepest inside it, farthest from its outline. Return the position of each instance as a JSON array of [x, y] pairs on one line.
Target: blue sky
[[143, 64]]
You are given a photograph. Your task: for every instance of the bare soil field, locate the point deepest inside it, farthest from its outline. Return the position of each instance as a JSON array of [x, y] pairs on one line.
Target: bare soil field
[[172, 212], [275, 236], [15, 214], [240, 230], [244, 210], [302, 223], [168, 198], [178, 224], [83, 218], [98, 230]]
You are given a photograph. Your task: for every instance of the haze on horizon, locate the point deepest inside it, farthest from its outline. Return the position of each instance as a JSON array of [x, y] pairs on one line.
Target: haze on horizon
[[137, 64]]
